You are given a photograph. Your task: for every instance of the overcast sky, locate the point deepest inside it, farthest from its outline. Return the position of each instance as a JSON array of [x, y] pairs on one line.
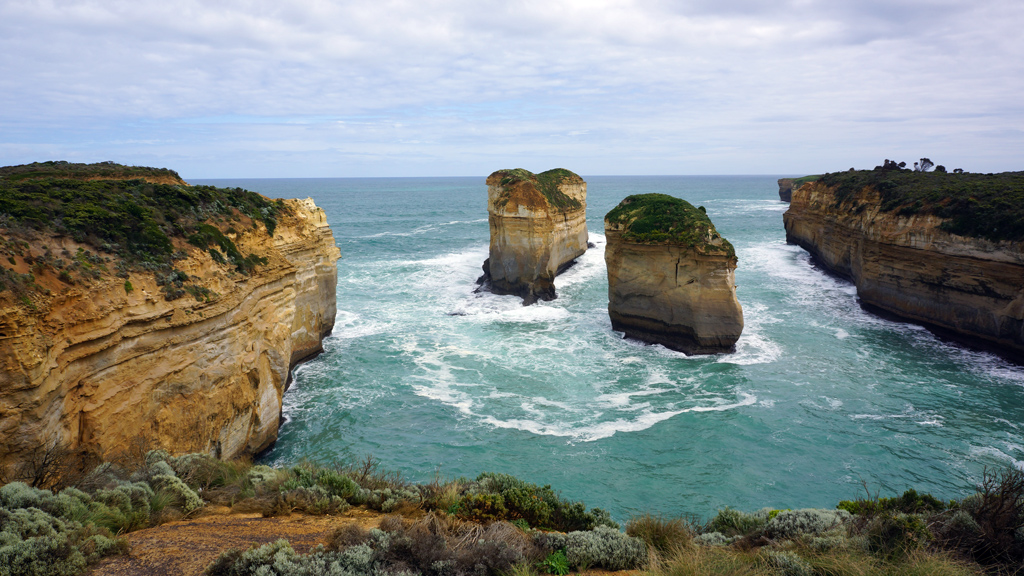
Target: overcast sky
[[256, 88]]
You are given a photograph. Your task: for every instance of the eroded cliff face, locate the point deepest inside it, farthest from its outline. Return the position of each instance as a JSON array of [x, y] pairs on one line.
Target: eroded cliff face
[[786, 189], [533, 237], [678, 294], [968, 288], [96, 366]]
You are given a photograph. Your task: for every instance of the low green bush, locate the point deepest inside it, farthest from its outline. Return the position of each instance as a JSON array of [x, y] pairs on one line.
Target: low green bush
[[808, 521], [910, 502], [556, 563], [731, 522], [46, 534], [979, 205], [895, 533], [602, 547], [540, 506], [786, 563]]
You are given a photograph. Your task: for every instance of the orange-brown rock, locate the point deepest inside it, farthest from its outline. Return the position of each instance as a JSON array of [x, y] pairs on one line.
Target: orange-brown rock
[[538, 228], [671, 276], [93, 366], [968, 288]]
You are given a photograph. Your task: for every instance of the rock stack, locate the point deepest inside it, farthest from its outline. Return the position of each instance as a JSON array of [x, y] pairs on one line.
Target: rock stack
[[538, 228], [671, 276]]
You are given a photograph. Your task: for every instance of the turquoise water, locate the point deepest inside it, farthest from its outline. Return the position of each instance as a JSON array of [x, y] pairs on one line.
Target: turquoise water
[[819, 398]]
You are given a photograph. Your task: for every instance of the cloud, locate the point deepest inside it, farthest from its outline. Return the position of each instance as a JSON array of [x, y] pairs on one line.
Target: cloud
[[239, 88]]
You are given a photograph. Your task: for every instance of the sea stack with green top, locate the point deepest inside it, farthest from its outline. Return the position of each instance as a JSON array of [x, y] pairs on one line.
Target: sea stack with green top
[[671, 276], [538, 228]]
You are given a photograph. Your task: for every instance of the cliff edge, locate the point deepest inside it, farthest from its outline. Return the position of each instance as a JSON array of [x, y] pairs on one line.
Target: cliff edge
[[787, 185], [941, 249], [671, 276], [135, 308], [538, 226]]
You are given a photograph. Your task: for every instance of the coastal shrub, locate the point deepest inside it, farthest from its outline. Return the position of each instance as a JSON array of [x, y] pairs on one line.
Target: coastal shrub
[[539, 505], [602, 547], [658, 218], [990, 533], [893, 534], [662, 534], [336, 483], [21, 495], [186, 498], [808, 521], [556, 563], [41, 556], [731, 522], [260, 475], [711, 539], [34, 541], [977, 205], [546, 183], [910, 502], [315, 500], [123, 508], [432, 546], [390, 499], [787, 563], [482, 507], [203, 471], [605, 547]]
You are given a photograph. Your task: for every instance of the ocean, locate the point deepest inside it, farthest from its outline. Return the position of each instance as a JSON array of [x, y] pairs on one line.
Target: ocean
[[821, 401]]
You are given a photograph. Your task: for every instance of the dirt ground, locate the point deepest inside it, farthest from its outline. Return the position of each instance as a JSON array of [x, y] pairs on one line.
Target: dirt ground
[[187, 547]]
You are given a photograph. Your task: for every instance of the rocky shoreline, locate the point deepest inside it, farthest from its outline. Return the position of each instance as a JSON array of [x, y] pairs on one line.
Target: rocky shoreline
[[907, 265]]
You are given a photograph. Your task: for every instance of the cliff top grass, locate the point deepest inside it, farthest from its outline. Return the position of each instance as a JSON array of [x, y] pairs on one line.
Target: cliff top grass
[[661, 219], [798, 182], [119, 210], [989, 206], [546, 183]]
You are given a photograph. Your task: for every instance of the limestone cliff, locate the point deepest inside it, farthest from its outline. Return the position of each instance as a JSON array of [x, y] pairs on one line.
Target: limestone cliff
[[94, 361], [786, 189], [671, 276], [905, 262], [538, 228]]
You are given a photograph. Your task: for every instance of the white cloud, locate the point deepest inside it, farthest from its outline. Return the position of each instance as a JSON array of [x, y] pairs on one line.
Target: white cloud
[[457, 87]]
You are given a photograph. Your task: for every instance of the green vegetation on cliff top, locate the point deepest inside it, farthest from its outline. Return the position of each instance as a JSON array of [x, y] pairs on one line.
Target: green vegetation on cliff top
[[116, 211], [62, 170], [798, 182], [989, 206], [660, 218], [546, 183]]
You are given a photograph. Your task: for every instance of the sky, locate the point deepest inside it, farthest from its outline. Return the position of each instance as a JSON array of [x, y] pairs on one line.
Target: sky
[[319, 88]]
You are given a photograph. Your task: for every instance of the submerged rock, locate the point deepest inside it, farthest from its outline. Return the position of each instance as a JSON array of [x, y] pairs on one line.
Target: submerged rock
[[538, 229], [671, 276]]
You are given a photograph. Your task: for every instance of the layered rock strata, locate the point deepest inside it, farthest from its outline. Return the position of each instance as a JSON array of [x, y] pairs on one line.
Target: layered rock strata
[[671, 276], [969, 288], [97, 366], [538, 228]]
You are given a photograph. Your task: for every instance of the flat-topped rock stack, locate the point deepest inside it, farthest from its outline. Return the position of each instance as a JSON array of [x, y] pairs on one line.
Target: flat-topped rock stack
[[671, 276], [538, 228]]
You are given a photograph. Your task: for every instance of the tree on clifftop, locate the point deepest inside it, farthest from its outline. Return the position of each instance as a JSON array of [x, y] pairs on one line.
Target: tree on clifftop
[[924, 165]]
